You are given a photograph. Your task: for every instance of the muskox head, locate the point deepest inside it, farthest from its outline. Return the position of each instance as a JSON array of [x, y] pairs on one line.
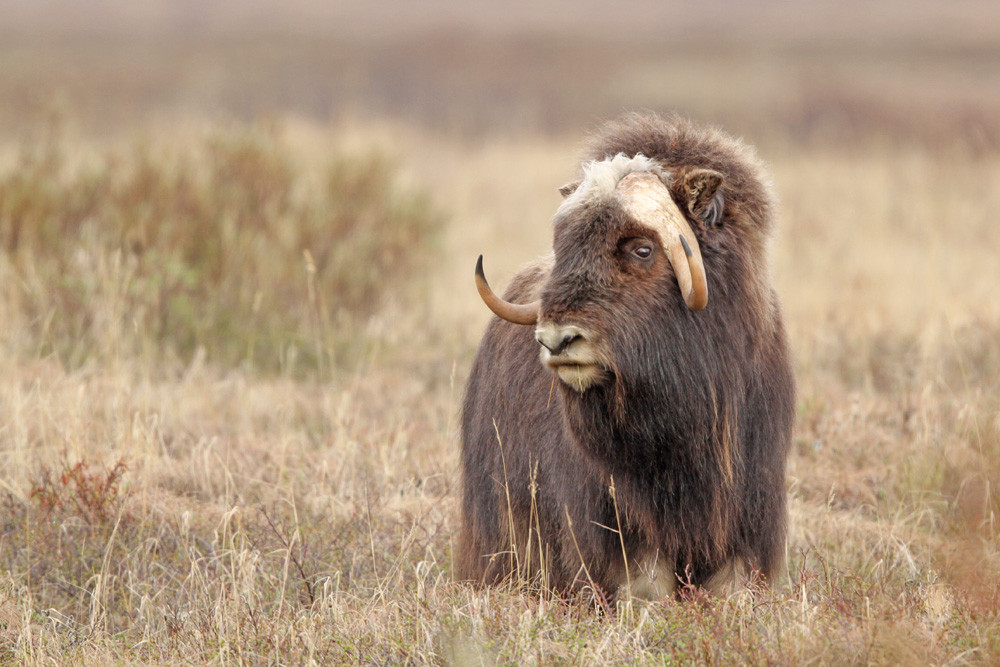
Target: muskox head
[[627, 252]]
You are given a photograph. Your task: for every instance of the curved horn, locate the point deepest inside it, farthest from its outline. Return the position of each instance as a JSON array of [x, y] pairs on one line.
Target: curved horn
[[647, 199], [518, 313]]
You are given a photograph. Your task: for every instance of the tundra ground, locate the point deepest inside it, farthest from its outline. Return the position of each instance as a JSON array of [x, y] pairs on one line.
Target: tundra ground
[[193, 511], [244, 449]]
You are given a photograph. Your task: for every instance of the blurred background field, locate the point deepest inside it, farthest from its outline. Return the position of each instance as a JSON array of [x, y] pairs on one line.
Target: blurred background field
[[236, 248]]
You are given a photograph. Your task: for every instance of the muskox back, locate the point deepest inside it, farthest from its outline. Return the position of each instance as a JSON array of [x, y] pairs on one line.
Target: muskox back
[[672, 447]]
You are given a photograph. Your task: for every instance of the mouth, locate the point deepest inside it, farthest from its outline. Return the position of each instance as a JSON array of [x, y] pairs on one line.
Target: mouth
[[577, 375], [573, 353]]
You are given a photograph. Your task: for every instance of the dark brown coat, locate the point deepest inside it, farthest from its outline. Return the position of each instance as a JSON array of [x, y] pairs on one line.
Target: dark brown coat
[[691, 422]]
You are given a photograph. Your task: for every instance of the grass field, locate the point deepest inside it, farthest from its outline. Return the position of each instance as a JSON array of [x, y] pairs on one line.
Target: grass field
[[238, 315]]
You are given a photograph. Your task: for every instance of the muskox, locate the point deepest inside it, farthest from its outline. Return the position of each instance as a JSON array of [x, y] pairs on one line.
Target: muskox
[[628, 414]]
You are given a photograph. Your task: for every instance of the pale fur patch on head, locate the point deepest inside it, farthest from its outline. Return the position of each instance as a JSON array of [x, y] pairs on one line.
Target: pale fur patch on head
[[601, 177]]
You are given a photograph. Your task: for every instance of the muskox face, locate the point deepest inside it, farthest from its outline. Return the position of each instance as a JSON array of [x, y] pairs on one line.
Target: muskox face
[[626, 254]]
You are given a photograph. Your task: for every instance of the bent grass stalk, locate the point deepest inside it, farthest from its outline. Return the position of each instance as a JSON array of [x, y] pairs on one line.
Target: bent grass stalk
[[513, 557], [621, 541]]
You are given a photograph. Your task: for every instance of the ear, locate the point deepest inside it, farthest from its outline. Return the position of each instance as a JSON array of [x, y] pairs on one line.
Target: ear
[[569, 188], [703, 189]]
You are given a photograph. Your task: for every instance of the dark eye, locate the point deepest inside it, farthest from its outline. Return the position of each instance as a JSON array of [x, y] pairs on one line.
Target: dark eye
[[637, 248], [642, 251]]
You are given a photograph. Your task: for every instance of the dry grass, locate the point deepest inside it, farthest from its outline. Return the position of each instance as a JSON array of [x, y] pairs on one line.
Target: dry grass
[[218, 514], [164, 505]]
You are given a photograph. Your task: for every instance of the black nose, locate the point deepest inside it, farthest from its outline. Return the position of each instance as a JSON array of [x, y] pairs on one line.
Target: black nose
[[557, 345]]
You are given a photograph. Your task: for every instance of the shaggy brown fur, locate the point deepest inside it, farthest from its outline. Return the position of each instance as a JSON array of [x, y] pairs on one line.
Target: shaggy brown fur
[[693, 420]]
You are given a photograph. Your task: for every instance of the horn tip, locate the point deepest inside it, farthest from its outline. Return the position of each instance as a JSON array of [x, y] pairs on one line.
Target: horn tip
[[479, 266], [687, 248]]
